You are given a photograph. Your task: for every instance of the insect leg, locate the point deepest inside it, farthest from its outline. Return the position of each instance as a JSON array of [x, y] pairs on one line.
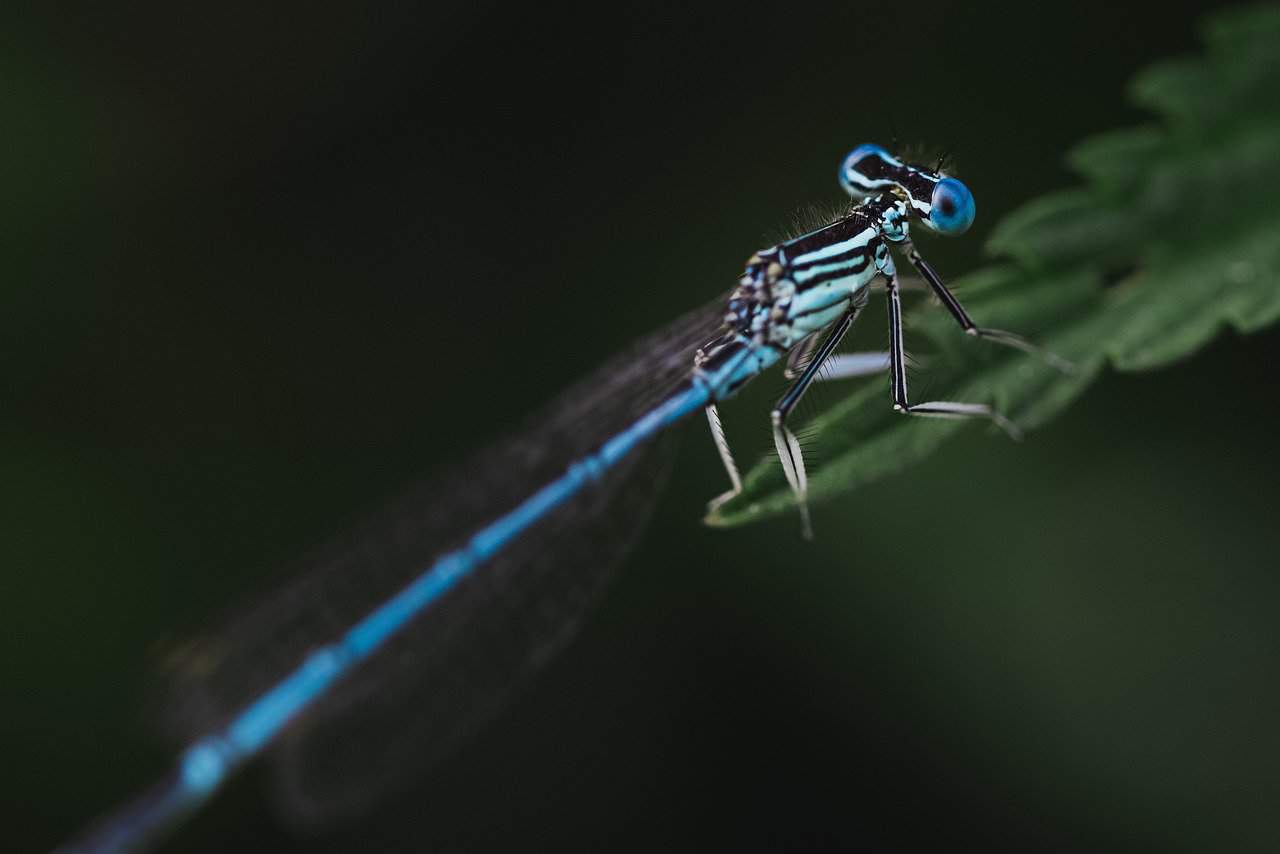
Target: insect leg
[[898, 369], [726, 457], [953, 305], [848, 365], [784, 440], [739, 357]]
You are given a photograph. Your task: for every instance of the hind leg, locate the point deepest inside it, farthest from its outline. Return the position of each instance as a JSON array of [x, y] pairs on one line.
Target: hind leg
[[726, 457]]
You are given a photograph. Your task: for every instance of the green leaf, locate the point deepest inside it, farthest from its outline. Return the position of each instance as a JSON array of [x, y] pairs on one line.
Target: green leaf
[[1183, 212]]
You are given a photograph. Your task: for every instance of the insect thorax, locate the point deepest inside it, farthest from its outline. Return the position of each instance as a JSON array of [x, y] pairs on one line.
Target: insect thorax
[[805, 284]]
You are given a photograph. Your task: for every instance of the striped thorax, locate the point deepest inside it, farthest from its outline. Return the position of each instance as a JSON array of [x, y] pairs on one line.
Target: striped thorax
[[802, 286]]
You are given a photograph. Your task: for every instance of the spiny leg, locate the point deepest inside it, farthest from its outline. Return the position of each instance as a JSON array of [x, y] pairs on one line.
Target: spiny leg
[[898, 370], [784, 440], [726, 457], [953, 305], [700, 359]]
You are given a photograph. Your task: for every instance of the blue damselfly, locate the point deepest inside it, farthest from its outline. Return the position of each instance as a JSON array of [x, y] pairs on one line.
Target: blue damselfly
[[324, 671]]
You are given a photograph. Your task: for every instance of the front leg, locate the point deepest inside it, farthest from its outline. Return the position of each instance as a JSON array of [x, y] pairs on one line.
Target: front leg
[[953, 305], [898, 370]]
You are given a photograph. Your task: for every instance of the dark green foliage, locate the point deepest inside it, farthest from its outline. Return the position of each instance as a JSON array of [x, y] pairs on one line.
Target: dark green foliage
[[1184, 213]]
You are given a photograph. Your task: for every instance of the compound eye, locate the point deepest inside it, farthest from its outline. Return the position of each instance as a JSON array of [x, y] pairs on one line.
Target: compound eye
[[952, 207], [862, 168]]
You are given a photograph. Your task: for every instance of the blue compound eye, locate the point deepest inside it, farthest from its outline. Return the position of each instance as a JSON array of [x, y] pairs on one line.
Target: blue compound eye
[[858, 174], [953, 209]]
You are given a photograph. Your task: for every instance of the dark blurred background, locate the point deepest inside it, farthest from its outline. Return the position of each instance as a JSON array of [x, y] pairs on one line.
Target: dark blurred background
[[264, 267]]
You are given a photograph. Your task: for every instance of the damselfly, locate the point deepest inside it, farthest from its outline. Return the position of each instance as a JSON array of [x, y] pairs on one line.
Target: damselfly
[[340, 674]]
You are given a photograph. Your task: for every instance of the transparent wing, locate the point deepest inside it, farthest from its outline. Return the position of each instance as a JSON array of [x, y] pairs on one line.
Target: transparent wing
[[453, 668]]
